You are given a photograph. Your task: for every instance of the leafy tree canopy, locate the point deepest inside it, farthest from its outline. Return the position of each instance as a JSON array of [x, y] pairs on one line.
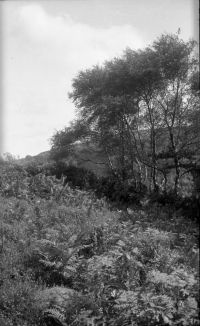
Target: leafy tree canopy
[[138, 108]]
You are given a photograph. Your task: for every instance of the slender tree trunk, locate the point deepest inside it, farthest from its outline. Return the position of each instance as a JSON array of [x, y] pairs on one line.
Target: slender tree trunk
[[122, 150], [152, 143], [176, 161], [153, 153]]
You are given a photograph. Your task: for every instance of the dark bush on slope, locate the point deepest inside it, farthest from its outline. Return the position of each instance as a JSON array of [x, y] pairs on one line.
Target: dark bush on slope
[[119, 191]]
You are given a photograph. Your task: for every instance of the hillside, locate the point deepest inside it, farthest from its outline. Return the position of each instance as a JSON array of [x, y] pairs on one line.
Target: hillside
[[40, 158], [91, 158], [85, 156]]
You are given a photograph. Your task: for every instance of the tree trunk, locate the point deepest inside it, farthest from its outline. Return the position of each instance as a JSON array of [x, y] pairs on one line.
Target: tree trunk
[[176, 161], [153, 153]]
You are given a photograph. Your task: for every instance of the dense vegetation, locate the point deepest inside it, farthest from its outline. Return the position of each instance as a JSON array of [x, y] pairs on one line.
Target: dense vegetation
[[66, 254], [142, 111], [116, 245]]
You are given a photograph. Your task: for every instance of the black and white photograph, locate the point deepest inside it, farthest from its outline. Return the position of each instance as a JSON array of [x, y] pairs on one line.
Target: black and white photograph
[[99, 163]]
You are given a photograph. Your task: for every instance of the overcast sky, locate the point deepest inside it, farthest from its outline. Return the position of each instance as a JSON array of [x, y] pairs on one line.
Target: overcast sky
[[45, 43]]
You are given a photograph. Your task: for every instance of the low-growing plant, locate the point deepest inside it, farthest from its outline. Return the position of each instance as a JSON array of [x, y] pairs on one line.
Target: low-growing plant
[[133, 267]]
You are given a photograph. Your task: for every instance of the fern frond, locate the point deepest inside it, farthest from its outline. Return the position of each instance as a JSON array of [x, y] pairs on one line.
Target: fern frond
[[56, 315]]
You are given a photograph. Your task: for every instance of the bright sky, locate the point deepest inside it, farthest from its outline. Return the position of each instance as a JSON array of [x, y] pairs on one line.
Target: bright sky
[[45, 43]]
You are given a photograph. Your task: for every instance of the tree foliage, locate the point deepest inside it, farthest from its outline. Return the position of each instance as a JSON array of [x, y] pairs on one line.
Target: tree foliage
[[142, 109]]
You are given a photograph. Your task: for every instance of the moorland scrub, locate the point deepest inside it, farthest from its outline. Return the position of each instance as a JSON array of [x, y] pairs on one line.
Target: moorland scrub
[[103, 229]]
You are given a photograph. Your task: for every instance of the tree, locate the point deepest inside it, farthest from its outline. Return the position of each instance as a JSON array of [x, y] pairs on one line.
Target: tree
[[142, 110], [63, 140], [176, 101]]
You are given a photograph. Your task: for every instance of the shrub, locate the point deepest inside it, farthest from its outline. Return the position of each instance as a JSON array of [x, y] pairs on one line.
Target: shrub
[[117, 191], [17, 303]]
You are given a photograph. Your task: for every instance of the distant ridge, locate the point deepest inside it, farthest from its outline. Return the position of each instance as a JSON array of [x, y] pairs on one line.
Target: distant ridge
[[40, 158], [84, 156]]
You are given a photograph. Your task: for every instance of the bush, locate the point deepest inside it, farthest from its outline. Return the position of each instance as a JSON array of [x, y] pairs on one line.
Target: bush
[[74, 176], [17, 304], [188, 207], [117, 191]]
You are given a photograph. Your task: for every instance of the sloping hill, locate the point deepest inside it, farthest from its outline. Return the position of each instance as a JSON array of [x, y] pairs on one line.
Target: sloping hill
[[85, 156], [89, 157], [40, 158]]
